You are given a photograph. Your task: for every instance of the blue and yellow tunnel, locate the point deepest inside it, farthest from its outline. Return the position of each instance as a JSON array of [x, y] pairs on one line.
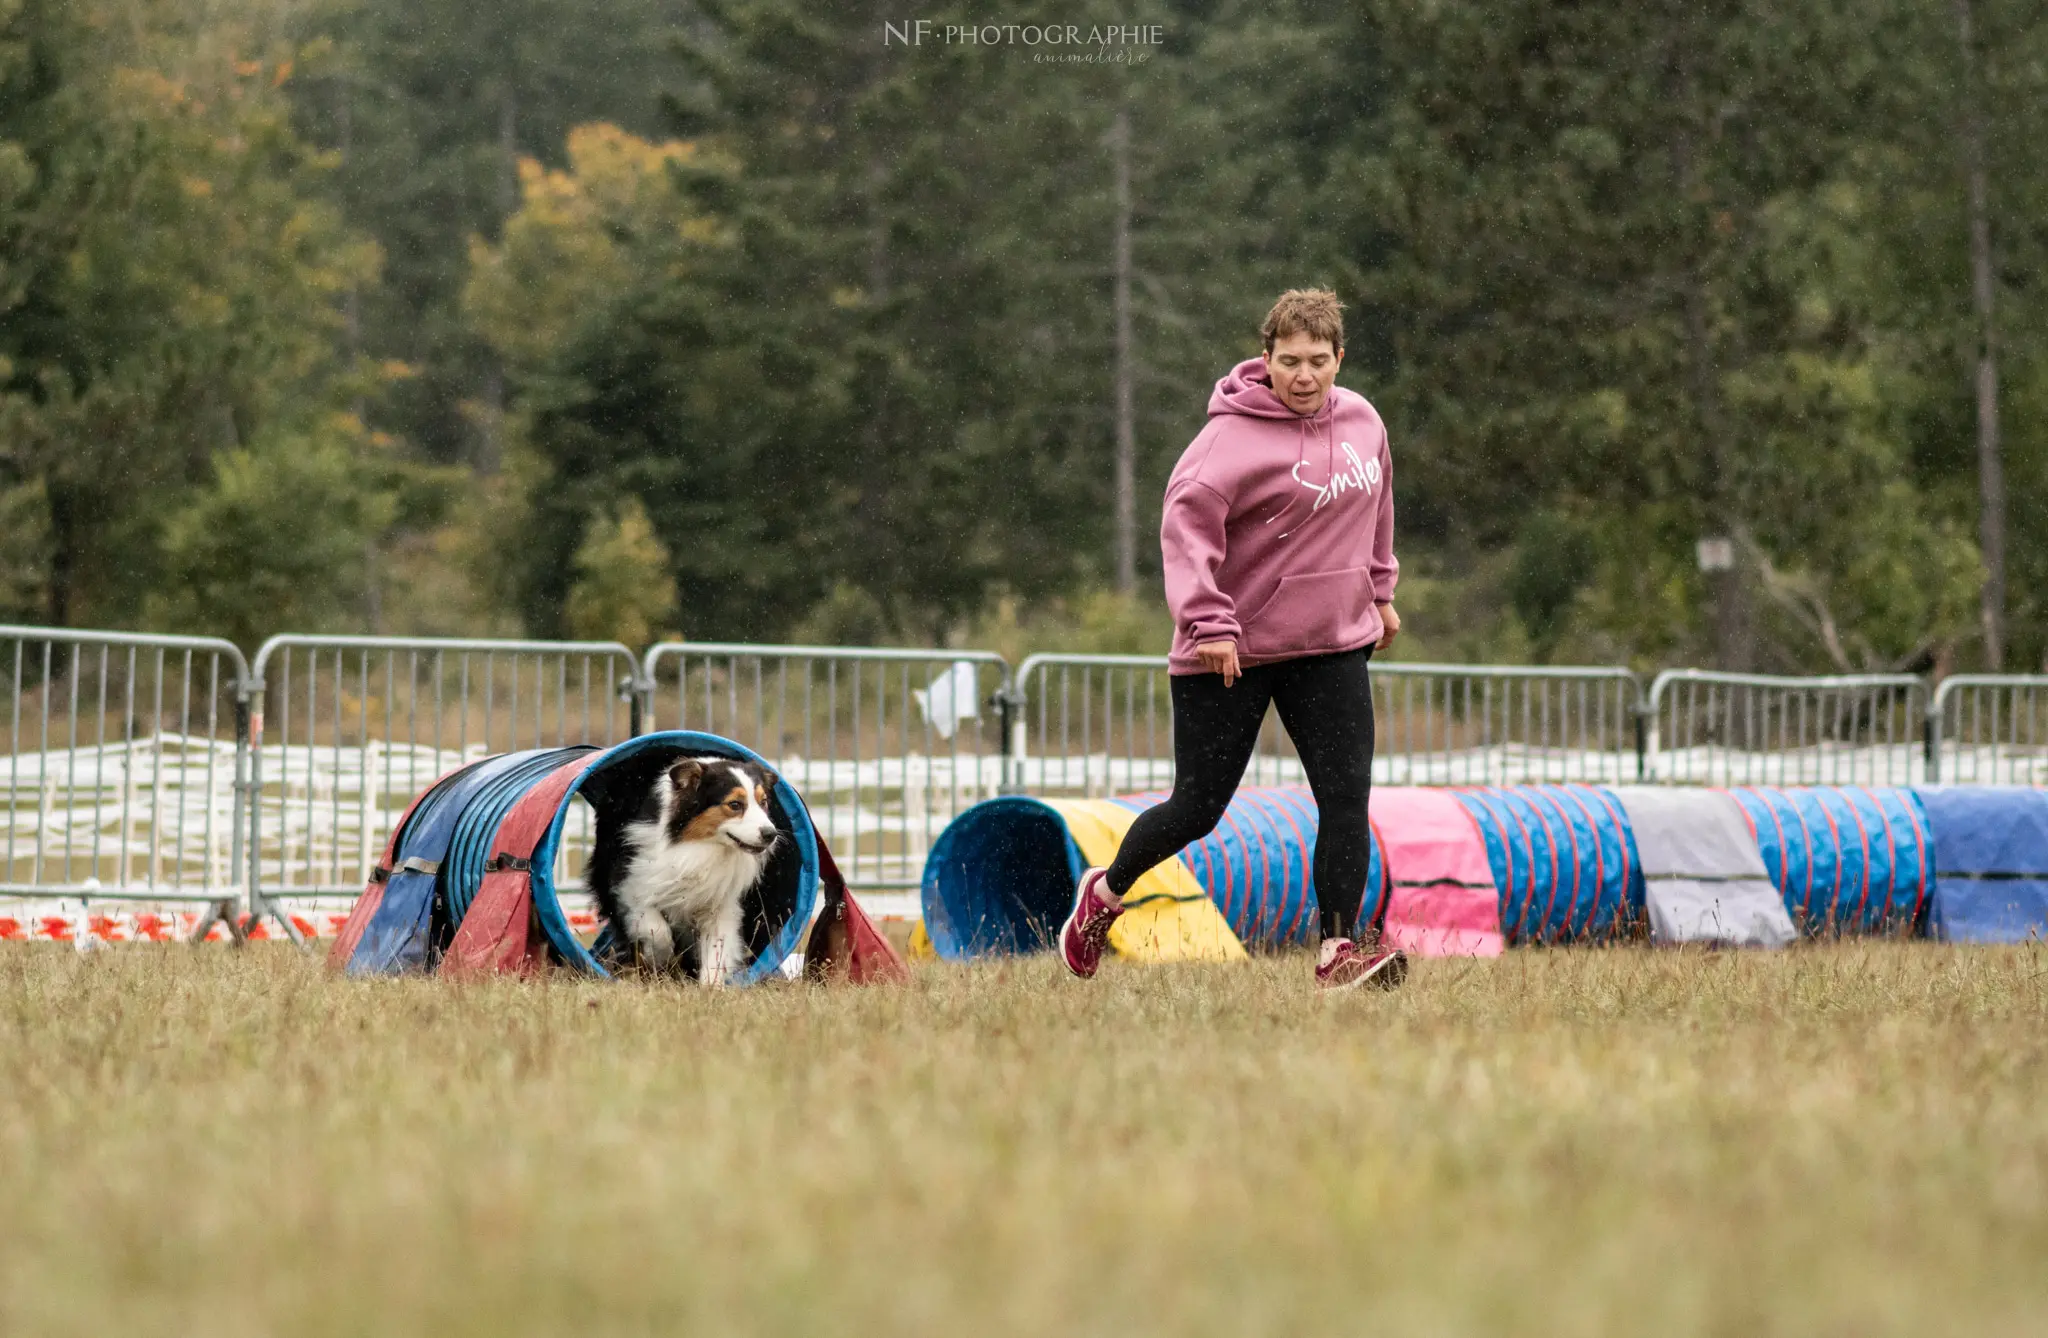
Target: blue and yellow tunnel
[[1001, 878]]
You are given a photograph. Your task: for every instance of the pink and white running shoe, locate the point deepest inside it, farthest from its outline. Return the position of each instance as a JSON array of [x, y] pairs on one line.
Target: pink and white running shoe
[[1350, 966], [1086, 932]]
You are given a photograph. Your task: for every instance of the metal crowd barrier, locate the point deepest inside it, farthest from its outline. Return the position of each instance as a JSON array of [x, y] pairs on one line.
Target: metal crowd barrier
[[1088, 725], [167, 769], [1084, 726], [1710, 728], [1989, 729], [125, 758], [886, 745], [346, 730], [1457, 724]]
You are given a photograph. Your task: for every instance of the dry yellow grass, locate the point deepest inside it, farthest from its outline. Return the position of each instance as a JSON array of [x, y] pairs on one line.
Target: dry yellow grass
[[1841, 1140]]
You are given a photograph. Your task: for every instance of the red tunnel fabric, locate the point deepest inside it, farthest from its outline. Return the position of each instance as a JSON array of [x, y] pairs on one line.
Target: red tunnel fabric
[[844, 940], [497, 933]]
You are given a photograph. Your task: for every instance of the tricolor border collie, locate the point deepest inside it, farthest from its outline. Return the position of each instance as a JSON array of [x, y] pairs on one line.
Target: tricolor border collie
[[670, 882]]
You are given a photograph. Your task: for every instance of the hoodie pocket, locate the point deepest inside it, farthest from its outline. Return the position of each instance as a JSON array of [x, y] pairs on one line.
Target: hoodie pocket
[[1315, 611]]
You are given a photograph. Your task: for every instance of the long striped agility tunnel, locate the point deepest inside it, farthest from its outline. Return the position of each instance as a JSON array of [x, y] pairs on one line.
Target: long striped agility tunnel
[[1472, 871], [467, 883]]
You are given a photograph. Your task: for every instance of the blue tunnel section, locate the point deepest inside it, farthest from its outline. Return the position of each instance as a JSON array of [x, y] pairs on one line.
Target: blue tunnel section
[[1000, 879], [1963, 863], [778, 909], [1848, 860], [1991, 857], [1564, 860], [470, 848], [412, 924]]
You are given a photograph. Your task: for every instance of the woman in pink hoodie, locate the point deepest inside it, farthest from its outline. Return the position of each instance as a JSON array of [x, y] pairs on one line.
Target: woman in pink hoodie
[[1278, 545]]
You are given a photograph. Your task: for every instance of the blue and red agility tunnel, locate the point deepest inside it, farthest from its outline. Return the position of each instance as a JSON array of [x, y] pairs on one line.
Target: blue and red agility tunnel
[[466, 885], [1452, 872], [1256, 865]]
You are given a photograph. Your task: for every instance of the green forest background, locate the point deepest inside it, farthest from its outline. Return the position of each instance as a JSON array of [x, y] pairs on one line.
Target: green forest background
[[630, 318]]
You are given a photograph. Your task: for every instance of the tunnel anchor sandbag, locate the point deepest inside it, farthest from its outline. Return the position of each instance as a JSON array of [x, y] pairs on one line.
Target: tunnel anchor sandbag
[[1168, 916], [844, 943], [1991, 863], [1442, 900], [1704, 878]]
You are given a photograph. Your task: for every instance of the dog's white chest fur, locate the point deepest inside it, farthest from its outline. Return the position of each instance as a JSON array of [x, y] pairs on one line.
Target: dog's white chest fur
[[684, 880]]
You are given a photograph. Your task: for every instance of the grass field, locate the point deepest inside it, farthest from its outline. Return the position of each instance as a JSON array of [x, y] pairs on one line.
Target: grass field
[[1838, 1140]]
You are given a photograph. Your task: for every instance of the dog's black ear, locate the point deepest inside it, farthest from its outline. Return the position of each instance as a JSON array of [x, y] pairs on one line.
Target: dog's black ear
[[768, 779], [685, 774]]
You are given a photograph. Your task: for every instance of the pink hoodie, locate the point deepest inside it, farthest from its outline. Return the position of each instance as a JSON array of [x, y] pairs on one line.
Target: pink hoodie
[[1278, 531]]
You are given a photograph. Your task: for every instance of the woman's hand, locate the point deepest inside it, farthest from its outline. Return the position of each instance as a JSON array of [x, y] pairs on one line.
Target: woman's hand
[[1390, 626], [1219, 657]]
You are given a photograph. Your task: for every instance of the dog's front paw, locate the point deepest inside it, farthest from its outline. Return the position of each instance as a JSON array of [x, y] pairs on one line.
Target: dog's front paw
[[716, 964], [654, 945]]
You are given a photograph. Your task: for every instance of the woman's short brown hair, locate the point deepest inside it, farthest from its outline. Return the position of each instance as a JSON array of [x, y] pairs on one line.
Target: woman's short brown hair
[[1315, 312]]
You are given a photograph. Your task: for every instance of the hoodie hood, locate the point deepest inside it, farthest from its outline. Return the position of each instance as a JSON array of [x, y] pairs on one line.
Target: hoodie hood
[[1248, 389]]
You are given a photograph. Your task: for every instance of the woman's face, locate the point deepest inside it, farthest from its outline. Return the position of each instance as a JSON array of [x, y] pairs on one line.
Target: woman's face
[[1303, 369]]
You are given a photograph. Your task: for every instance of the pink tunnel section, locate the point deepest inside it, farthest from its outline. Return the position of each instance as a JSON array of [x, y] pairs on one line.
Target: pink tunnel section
[[1442, 902]]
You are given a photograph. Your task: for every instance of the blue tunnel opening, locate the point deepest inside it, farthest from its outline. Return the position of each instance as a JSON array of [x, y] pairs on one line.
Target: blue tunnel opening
[[1000, 879]]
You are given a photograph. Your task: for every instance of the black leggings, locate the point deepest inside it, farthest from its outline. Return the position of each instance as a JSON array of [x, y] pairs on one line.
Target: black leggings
[[1326, 703]]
